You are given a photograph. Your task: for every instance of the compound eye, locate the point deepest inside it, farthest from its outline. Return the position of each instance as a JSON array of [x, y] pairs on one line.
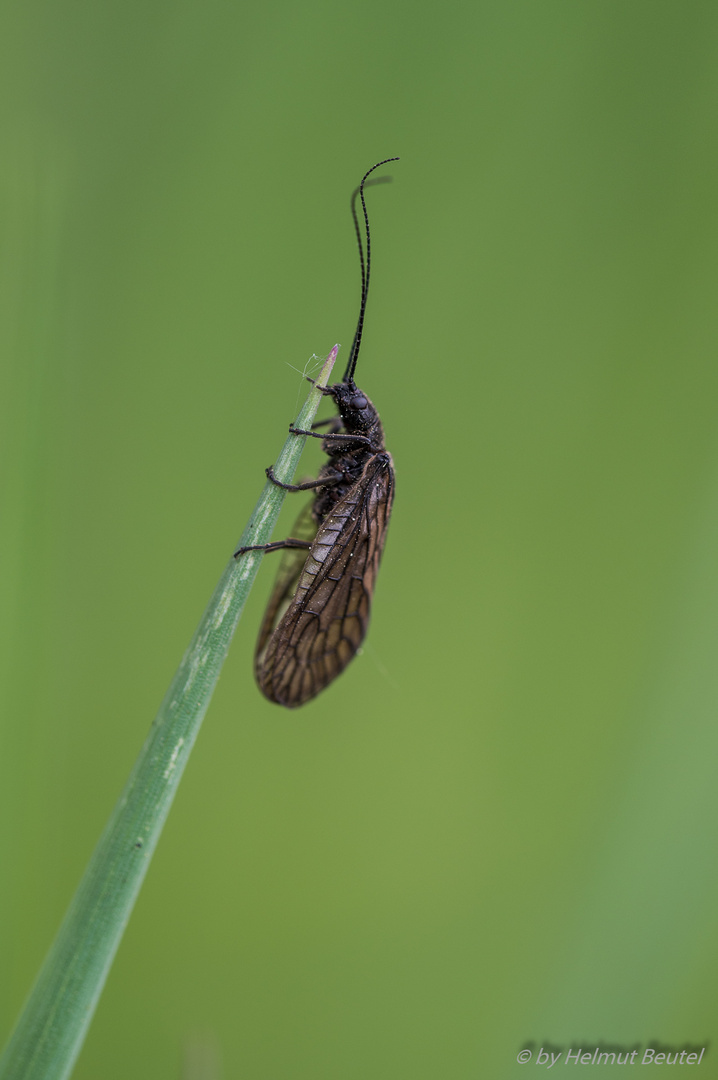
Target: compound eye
[[358, 402]]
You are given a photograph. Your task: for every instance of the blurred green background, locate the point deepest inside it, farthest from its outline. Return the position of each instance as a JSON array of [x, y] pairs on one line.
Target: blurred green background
[[498, 829]]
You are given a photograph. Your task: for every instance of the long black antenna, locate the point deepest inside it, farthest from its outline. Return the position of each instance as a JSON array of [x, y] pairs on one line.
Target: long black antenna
[[365, 266]]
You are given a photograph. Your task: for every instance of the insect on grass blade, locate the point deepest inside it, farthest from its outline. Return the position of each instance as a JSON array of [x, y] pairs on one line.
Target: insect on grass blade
[[318, 613]]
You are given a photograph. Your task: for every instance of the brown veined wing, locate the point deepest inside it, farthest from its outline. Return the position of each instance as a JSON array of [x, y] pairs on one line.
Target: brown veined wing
[[319, 611]]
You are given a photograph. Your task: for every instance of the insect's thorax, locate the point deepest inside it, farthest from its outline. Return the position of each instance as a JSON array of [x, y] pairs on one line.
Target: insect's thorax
[[358, 417]]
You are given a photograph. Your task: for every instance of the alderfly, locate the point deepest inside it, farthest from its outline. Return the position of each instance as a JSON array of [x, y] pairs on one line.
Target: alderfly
[[318, 613]]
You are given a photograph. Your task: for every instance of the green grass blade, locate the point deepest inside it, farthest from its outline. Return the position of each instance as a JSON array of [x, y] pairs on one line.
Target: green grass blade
[[52, 1027]]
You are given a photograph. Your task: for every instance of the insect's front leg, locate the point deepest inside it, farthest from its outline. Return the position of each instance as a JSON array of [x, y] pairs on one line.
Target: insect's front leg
[[276, 545], [326, 390]]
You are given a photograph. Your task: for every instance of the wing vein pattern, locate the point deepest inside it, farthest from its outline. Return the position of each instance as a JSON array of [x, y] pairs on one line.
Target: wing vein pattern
[[319, 610]]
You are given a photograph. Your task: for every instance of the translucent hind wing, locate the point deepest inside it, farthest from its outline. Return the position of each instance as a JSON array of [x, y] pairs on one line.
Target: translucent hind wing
[[285, 583]]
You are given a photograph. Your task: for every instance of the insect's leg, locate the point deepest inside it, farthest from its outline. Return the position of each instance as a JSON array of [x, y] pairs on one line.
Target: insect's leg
[[335, 421], [334, 437], [326, 482], [326, 390], [277, 545], [300, 431]]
